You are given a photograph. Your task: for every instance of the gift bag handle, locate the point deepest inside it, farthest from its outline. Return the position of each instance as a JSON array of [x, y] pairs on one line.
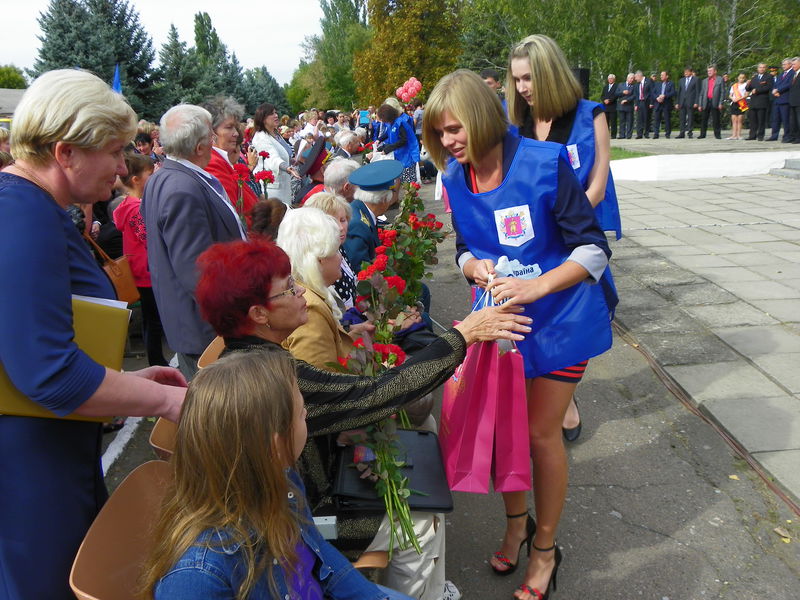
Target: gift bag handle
[[486, 298]]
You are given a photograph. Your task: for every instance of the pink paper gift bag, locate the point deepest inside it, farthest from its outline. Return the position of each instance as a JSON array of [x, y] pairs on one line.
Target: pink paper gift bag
[[512, 451]]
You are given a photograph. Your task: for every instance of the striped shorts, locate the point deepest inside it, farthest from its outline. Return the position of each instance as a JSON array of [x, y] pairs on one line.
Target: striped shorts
[[571, 374]]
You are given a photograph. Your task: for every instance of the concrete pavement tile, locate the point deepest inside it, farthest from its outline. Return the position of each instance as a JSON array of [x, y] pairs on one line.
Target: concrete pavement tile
[[642, 299], [792, 234], [723, 275], [782, 367], [792, 256], [778, 270], [776, 246], [729, 216], [653, 238], [663, 319], [753, 259], [695, 294], [630, 251], [783, 310], [774, 228], [760, 290], [748, 236], [670, 251], [668, 275], [704, 260], [625, 282], [783, 467], [687, 348], [723, 380], [792, 283], [725, 248], [760, 424], [762, 339], [695, 236], [726, 315]]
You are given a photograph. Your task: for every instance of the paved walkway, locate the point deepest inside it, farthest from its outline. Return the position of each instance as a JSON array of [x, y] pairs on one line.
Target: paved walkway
[[709, 278]]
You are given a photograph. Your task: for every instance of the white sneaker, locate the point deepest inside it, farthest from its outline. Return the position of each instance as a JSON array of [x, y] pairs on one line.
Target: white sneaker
[[450, 591]]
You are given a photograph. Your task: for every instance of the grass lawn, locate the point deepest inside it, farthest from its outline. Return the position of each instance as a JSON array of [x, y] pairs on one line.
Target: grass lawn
[[618, 153]]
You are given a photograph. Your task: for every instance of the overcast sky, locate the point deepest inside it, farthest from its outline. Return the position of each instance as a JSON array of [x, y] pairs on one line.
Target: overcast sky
[[267, 33]]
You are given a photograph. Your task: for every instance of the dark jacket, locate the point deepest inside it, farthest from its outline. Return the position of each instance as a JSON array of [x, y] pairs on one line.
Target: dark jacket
[[609, 94], [688, 95], [761, 89]]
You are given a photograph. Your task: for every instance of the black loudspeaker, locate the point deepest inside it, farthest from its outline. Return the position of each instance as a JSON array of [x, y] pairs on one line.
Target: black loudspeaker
[[582, 75]]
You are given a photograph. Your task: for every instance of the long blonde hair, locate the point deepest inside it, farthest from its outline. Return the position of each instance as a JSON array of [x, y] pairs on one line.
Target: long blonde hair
[[233, 446], [554, 88]]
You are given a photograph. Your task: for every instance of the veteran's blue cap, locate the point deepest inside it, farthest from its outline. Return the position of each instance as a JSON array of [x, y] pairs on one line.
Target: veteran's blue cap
[[378, 175]]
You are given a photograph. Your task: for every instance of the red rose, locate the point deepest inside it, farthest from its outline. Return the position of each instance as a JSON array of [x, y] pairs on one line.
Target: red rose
[[380, 250], [415, 185], [363, 275], [242, 172], [396, 282], [438, 224], [360, 299], [412, 218], [359, 343], [415, 225], [381, 261], [431, 216], [264, 154], [342, 361]]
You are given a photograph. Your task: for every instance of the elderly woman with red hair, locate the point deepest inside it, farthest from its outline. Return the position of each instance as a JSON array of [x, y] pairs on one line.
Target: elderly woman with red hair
[[247, 293]]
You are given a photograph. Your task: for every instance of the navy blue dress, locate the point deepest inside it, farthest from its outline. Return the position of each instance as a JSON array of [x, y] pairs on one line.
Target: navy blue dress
[[51, 480]]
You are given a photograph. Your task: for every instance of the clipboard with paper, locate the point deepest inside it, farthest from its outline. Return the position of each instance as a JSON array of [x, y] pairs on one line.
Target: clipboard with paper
[[101, 331]]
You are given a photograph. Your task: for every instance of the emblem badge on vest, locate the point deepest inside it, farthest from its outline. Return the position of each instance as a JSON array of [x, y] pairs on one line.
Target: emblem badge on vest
[[514, 226], [574, 158]]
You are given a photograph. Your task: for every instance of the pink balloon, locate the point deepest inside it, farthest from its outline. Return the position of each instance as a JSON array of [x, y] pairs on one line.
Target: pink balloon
[[406, 98], [413, 80], [399, 92], [418, 87]]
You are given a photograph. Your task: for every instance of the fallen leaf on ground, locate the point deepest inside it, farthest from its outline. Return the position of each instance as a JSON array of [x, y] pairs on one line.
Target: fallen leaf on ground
[[783, 533], [734, 477]]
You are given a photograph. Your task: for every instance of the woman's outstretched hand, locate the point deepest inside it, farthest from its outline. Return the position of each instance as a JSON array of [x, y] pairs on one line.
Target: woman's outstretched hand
[[495, 323]]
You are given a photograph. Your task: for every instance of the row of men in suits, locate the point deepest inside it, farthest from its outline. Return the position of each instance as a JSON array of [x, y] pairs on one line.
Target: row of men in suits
[[640, 96]]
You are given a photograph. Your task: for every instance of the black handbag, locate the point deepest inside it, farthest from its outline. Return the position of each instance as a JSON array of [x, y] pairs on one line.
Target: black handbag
[[425, 472]]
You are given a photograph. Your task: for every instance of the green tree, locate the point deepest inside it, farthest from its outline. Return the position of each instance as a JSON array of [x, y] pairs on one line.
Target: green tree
[[97, 35], [12, 78], [260, 86], [178, 75], [297, 94], [409, 38]]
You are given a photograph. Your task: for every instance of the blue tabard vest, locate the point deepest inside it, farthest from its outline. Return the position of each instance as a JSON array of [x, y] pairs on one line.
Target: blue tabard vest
[[408, 154], [516, 221], [580, 146]]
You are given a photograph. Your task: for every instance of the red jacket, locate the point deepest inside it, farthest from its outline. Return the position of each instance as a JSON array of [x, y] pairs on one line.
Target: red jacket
[[222, 170]]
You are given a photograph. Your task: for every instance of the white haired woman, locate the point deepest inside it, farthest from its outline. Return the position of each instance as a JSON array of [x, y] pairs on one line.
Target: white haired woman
[[70, 129], [311, 240]]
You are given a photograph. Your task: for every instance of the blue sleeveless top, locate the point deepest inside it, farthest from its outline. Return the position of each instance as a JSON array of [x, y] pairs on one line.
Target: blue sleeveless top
[[408, 154], [518, 221]]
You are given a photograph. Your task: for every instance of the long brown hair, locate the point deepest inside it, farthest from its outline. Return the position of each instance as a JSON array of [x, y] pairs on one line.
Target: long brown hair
[[233, 445]]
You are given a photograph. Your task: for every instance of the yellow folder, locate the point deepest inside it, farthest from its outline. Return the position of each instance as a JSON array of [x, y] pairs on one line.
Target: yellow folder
[[101, 331]]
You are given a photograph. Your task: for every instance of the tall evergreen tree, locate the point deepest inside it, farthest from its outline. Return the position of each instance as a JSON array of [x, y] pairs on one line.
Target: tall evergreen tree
[[64, 37], [260, 86]]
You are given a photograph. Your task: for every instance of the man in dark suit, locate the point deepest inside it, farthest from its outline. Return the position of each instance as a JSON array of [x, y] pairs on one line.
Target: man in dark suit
[[664, 94], [780, 102], [609, 100], [185, 211], [760, 88], [642, 93], [712, 92], [625, 100], [687, 92], [794, 103]]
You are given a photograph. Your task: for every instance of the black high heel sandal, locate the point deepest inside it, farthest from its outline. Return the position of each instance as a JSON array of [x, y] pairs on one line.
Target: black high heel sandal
[[537, 595], [573, 433], [530, 530]]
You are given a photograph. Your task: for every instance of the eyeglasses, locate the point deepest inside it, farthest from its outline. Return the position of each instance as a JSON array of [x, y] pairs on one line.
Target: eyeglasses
[[291, 291]]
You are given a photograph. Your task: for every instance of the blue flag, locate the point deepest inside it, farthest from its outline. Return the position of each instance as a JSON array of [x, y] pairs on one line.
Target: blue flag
[[116, 85]]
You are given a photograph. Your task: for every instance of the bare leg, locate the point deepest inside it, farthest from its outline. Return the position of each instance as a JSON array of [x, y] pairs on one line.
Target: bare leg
[[572, 418], [547, 403], [516, 503]]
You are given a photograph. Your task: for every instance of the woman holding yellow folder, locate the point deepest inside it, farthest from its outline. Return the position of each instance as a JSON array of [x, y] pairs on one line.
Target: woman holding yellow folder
[[68, 135]]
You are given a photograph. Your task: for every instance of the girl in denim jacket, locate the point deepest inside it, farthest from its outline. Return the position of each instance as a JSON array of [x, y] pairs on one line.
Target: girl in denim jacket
[[235, 524]]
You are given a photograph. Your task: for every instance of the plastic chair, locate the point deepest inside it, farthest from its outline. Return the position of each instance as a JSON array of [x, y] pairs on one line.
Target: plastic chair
[[109, 561], [211, 353], [162, 438]]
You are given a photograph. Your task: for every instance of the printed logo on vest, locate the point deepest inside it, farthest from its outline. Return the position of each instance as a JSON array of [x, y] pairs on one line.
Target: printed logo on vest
[[514, 226], [574, 158], [514, 268]]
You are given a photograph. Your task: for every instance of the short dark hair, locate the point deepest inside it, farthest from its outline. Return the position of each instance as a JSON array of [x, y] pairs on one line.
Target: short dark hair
[[143, 138], [387, 113], [486, 73]]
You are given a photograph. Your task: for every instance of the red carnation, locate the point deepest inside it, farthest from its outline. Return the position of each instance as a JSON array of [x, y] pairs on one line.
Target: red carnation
[[242, 172], [396, 282], [265, 176], [380, 250], [360, 299], [363, 275], [431, 216], [415, 185], [438, 224], [342, 361], [412, 218], [398, 352], [264, 154], [359, 343]]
